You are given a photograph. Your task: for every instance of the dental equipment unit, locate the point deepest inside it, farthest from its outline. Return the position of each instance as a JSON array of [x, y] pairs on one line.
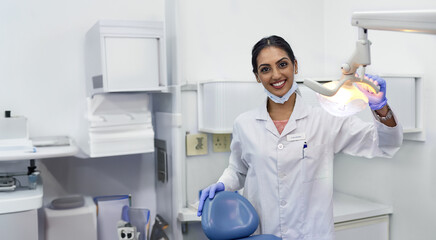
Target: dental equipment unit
[[341, 97]]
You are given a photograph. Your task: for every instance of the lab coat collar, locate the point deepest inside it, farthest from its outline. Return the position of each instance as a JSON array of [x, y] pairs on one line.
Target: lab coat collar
[[300, 111]]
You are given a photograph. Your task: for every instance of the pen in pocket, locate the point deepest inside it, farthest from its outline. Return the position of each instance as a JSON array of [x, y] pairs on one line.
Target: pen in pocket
[[304, 147]]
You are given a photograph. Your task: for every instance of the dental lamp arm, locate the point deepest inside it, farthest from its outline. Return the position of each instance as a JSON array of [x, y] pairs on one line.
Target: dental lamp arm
[[319, 88], [360, 58], [361, 55], [415, 21]]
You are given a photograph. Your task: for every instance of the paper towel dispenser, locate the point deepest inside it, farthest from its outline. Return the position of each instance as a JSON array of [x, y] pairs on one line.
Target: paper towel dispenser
[[117, 124]]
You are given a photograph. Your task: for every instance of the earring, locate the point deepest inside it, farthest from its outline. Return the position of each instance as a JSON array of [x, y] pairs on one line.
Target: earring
[[296, 71], [257, 79]]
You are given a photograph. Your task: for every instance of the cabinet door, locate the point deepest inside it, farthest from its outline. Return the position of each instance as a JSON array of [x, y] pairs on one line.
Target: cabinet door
[[20, 225], [132, 63], [375, 228]]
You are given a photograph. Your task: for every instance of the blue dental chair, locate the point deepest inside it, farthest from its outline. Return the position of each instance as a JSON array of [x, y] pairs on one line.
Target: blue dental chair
[[230, 216]]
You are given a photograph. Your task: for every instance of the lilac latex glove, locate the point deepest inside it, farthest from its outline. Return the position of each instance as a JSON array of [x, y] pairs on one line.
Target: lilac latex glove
[[375, 100], [209, 191]]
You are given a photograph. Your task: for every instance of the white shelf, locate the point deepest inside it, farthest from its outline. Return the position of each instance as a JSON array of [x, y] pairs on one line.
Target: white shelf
[[41, 152], [345, 208], [22, 199]]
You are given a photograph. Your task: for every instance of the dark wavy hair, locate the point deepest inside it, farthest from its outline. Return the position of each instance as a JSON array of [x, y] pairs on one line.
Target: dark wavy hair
[[271, 41]]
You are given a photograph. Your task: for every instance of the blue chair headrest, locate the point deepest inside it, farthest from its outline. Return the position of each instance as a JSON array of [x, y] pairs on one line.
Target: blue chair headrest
[[228, 216]]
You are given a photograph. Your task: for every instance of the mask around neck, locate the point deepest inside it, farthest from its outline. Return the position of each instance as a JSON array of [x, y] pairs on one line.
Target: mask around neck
[[285, 97]]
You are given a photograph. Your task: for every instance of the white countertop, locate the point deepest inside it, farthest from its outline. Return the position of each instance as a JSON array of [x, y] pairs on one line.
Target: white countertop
[[21, 199], [345, 208]]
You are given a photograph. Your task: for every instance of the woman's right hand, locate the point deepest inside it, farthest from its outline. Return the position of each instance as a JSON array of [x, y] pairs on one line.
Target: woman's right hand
[[209, 191]]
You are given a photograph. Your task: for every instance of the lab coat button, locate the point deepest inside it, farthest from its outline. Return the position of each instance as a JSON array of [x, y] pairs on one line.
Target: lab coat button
[[280, 146], [283, 203]]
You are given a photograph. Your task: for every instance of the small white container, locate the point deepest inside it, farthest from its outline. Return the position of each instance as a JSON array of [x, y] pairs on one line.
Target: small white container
[[14, 128], [71, 224]]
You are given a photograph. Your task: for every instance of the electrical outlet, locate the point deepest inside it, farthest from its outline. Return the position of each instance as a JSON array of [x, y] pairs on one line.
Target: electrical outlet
[[221, 142], [196, 144]]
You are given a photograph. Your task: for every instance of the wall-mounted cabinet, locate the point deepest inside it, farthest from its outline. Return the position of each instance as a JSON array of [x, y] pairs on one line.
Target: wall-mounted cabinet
[[125, 56], [125, 61], [220, 102]]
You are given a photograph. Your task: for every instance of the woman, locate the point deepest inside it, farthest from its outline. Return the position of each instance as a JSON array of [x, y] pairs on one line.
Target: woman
[[282, 153]]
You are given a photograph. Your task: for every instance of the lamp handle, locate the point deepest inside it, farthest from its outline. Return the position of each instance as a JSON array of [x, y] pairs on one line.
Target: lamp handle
[[319, 88]]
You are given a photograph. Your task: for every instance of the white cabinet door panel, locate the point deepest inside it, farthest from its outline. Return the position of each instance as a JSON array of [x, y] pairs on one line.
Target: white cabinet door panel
[[376, 228]]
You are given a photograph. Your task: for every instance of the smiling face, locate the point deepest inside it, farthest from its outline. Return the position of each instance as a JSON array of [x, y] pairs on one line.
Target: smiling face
[[275, 70]]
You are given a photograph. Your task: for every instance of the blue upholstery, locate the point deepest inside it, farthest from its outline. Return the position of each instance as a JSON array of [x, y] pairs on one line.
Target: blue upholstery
[[230, 216]]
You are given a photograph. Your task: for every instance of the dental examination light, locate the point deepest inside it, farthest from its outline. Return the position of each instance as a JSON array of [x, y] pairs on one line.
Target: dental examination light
[[342, 97]]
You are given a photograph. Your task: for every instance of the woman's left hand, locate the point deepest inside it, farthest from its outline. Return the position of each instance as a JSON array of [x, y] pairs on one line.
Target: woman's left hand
[[378, 100]]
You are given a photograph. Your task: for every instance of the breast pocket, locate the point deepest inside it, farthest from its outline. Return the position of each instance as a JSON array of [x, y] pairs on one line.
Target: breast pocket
[[316, 163]]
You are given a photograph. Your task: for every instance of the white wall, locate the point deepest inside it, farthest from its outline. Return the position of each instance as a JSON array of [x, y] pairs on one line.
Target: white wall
[[42, 77], [42, 56], [407, 181], [217, 36]]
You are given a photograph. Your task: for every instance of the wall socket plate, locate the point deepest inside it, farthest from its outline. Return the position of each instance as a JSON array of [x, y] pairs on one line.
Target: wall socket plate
[[196, 144], [221, 142]]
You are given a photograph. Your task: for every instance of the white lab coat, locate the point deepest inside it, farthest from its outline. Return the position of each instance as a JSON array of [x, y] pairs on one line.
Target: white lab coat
[[292, 193]]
